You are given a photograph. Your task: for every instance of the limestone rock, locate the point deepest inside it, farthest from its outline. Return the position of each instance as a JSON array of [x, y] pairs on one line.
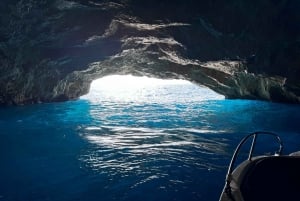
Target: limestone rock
[[52, 50]]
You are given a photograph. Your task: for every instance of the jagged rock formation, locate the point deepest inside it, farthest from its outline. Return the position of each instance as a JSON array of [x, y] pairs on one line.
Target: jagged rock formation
[[52, 50]]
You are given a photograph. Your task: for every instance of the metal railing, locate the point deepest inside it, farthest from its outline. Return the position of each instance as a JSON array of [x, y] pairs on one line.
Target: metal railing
[[234, 157]]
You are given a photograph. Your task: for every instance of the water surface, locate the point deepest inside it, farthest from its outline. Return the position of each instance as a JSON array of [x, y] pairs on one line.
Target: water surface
[[163, 146]]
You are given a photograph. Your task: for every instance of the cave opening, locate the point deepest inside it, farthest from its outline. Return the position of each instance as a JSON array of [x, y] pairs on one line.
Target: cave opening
[[129, 88]]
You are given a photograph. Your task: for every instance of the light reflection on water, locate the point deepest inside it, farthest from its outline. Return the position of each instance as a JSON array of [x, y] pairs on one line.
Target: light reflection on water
[[171, 159], [133, 141], [145, 140]]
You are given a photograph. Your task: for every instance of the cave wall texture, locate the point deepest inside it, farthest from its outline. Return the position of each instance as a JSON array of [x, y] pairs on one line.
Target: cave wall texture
[[51, 50]]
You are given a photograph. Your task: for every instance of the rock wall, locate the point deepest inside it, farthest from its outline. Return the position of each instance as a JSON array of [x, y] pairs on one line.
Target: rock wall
[[52, 50]]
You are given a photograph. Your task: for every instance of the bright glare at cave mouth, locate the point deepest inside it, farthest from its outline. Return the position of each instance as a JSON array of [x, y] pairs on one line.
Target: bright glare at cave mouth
[[128, 88]]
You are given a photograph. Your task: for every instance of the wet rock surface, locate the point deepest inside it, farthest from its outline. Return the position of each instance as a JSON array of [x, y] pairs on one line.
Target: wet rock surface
[[52, 50]]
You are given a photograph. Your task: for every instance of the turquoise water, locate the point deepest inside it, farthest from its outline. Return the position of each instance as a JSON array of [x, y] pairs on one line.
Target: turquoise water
[[165, 147]]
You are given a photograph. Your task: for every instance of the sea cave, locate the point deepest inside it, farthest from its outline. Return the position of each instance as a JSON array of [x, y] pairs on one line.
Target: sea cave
[[135, 100]]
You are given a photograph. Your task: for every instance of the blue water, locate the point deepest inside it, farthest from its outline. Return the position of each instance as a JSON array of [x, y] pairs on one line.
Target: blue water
[[108, 149]]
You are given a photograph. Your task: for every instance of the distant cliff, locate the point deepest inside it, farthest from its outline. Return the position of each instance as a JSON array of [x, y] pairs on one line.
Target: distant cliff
[[51, 50]]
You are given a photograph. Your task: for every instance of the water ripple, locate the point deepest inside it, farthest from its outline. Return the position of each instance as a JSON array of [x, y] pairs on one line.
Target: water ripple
[[149, 153]]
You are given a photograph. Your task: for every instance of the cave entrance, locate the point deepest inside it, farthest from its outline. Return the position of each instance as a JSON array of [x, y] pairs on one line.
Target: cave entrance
[[129, 88]]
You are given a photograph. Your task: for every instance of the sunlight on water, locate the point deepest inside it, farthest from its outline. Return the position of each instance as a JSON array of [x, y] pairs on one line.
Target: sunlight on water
[[128, 88]]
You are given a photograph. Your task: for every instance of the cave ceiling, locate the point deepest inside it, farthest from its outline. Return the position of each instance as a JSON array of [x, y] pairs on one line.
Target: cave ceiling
[[53, 50]]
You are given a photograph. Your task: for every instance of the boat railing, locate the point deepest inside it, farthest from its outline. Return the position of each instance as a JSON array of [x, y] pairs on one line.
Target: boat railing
[[254, 136], [250, 154]]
